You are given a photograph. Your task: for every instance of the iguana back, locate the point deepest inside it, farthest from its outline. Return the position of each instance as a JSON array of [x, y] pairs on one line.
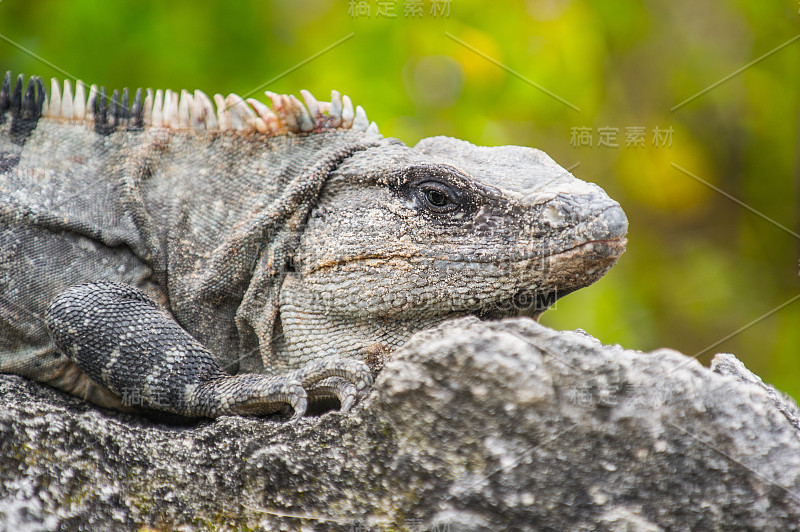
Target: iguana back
[[278, 239]]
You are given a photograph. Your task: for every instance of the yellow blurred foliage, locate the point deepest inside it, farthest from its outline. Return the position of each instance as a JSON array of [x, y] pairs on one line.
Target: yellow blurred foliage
[[649, 177], [476, 68]]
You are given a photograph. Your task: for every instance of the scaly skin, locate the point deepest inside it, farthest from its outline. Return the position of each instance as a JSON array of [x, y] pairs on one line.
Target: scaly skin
[[244, 262]]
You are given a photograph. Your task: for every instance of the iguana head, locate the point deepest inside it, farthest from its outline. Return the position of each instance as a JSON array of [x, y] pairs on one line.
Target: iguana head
[[449, 228]]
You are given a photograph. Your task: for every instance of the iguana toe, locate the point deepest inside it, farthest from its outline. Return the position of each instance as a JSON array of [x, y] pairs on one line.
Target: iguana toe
[[335, 388], [335, 378]]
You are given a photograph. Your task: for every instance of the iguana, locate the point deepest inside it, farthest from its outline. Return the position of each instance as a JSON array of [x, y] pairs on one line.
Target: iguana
[[173, 254]]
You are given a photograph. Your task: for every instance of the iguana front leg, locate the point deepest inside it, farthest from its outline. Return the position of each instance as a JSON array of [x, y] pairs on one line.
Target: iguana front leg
[[121, 339]]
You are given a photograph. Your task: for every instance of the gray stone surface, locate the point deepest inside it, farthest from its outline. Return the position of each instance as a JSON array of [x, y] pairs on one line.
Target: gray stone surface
[[471, 426]]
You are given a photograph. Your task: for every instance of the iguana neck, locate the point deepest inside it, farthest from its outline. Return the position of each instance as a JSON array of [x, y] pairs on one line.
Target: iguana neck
[[309, 326]]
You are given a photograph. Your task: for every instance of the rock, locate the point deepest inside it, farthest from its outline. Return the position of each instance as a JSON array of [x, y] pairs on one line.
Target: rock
[[470, 426]]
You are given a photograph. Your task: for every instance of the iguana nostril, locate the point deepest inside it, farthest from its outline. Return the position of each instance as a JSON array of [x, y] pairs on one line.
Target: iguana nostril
[[555, 215], [613, 224]]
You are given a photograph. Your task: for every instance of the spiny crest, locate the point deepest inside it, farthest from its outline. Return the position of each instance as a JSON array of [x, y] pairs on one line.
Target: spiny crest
[[184, 111]]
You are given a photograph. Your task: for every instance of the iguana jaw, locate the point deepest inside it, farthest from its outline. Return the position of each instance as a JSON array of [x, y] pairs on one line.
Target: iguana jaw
[[356, 319], [597, 257]]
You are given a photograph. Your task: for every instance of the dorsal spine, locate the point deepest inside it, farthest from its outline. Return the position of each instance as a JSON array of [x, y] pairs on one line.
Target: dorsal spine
[[182, 110]]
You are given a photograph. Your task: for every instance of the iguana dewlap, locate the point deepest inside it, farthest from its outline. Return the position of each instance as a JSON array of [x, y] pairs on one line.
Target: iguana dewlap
[[243, 259]]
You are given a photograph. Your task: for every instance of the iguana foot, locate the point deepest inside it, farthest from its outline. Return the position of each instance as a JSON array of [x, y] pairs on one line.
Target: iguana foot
[[122, 340], [334, 377], [335, 388], [249, 394]]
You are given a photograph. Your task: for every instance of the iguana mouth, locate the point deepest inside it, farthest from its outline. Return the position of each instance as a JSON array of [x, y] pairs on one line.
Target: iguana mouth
[[609, 246], [598, 257]]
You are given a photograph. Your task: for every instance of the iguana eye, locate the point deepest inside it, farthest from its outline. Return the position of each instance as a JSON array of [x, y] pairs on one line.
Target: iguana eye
[[437, 197]]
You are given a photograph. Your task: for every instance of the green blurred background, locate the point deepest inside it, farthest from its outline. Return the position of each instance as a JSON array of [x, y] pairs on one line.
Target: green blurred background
[[700, 268]]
